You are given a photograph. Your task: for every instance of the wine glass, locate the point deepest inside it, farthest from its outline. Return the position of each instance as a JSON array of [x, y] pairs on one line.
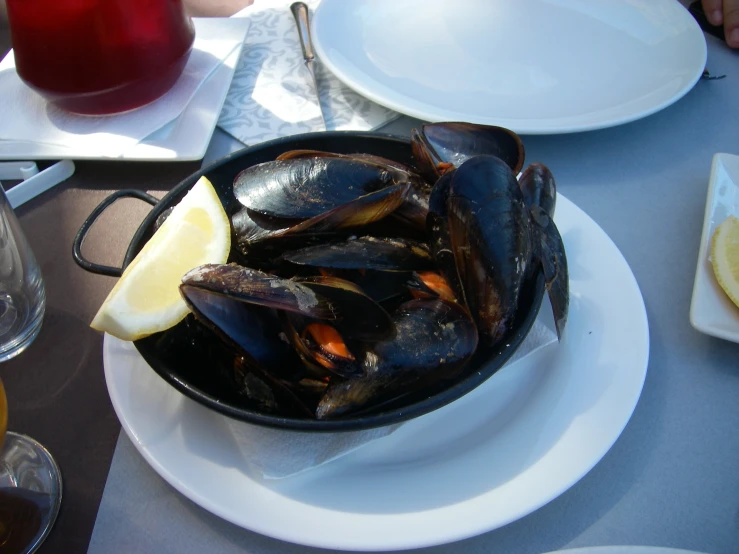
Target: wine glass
[[30, 489], [30, 482]]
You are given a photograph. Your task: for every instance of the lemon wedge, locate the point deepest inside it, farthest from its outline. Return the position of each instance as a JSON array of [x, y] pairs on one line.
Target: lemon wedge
[[146, 299], [725, 256]]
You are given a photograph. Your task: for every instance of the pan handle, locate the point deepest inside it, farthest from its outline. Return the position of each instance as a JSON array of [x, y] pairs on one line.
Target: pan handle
[[82, 233]]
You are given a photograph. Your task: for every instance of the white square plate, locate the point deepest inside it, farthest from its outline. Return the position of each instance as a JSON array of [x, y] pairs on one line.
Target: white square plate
[[711, 310], [184, 139]]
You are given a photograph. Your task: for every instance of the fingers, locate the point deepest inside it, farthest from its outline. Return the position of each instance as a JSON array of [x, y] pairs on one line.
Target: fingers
[[726, 13], [714, 11], [731, 22]]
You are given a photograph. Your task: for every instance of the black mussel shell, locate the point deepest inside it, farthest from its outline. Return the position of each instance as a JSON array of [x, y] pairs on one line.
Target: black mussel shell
[[359, 212], [382, 286], [253, 331], [386, 163], [413, 210], [550, 251], [250, 227], [440, 242], [439, 146], [490, 233], [302, 188], [360, 317], [434, 339], [257, 287], [323, 363], [430, 284], [257, 235], [538, 187], [382, 253]]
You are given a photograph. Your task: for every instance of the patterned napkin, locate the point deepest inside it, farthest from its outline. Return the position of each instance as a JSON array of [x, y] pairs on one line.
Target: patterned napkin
[[272, 93]]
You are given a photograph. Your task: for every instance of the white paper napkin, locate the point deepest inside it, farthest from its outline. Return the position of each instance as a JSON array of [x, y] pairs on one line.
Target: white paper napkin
[[276, 454], [27, 117], [272, 93]]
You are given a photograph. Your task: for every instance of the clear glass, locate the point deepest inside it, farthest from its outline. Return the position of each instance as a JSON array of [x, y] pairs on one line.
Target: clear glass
[[30, 489], [22, 293], [100, 56]]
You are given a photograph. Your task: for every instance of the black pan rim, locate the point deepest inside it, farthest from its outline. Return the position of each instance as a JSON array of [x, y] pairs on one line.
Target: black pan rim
[[360, 422]]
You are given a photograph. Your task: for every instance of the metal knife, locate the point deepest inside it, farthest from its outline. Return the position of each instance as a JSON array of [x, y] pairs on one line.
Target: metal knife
[[300, 13]]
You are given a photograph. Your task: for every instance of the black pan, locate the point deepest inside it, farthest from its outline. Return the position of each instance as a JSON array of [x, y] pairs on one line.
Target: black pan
[[206, 385]]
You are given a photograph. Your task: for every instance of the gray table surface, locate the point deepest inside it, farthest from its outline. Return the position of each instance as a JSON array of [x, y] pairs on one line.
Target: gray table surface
[[671, 478]]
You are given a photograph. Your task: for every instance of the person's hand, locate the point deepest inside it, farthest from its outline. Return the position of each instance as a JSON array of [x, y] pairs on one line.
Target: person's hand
[[726, 13]]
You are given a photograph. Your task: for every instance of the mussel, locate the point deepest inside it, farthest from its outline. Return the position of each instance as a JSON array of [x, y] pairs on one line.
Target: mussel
[[365, 253], [489, 234], [439, 147], [415, 207], [435, 339], [538, 188], [256, 232], [302, 188]]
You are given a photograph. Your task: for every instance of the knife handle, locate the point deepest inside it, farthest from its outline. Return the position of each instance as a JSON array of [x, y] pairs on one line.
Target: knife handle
[[300, 13]]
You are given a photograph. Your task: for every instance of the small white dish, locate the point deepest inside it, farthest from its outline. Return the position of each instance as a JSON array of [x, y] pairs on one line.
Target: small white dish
[[711, 310], [508, 447], [186, 138], [536, 67]]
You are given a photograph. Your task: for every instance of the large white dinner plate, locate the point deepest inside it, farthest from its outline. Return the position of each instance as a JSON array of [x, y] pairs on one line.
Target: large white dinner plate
[[711, 310], [510, 446], [534, 66]]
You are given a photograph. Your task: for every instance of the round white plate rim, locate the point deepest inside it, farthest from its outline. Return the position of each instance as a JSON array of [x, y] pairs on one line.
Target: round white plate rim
[[398, 102], [625, 549], [424, 535]]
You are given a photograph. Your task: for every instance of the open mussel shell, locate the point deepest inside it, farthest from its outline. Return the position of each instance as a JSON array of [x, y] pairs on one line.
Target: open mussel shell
[[329, 347], [360, 317], [434, 339], [259, 288], [430, 284], [440, 146], [206, 355], [253, 331], [321, 347]]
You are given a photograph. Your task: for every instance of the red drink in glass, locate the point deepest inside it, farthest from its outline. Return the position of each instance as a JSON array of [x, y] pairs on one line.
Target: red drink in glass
[[100, 56]]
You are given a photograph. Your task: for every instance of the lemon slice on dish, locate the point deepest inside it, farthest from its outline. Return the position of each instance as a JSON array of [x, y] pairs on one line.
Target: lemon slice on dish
[[725, 256], [146, 299]]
